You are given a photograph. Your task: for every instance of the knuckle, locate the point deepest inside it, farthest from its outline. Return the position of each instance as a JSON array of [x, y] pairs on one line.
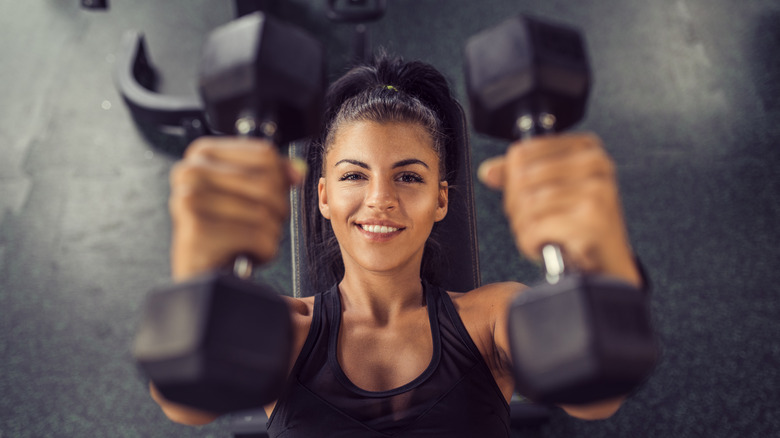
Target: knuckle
[[591, 206], [176, 202], [196, 227], [263, 154], [544, 195], [186, 173], [184, 205], [200, 147], [516, 153], [276, 180], [602, 191], [175, 175], [590, 140]]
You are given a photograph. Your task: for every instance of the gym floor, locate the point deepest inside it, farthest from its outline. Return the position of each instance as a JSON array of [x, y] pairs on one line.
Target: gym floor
[[686, 98]]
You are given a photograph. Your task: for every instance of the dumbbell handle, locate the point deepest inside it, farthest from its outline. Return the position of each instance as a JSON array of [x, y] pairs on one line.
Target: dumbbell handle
[[247, 126], [530, 125]]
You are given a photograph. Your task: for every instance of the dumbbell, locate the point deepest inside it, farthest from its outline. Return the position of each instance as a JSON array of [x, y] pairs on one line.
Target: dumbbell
[[221, 342], [577, 337]]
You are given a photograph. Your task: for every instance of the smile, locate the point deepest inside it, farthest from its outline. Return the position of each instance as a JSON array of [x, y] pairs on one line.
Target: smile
[[379, 229]]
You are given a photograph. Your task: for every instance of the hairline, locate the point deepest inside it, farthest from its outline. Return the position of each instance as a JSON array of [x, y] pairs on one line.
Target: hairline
[[340, 122]]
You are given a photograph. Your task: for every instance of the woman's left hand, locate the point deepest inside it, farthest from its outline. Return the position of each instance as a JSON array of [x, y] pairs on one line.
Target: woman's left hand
[[562, 189]]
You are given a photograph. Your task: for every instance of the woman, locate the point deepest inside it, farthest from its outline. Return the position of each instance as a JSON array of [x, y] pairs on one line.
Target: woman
[[382, 350]]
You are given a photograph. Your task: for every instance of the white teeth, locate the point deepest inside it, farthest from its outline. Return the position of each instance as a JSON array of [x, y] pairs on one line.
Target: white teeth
[[378, 229]]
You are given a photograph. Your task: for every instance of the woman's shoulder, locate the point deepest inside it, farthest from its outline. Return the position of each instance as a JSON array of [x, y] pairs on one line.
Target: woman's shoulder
[[491, 297], [300, 308], [301, 315]]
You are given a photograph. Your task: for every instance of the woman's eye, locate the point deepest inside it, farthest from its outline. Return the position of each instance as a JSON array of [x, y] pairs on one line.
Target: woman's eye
[[410, 178], [351, 177]]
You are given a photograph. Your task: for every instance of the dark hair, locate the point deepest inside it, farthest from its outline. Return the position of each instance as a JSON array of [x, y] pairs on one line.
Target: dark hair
[[388, 90], [387, 103]]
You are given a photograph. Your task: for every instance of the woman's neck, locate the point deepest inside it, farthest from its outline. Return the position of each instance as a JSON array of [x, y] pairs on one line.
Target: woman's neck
[[381, 296]]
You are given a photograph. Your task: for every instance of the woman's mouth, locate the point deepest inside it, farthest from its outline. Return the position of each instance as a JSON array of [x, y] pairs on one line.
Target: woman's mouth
[[378, 229], [380, 232]]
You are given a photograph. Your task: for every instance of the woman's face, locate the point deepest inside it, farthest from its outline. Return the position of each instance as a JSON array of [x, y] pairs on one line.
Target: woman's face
[[382, 193]]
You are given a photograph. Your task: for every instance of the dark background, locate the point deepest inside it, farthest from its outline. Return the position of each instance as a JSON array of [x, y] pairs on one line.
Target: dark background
[[686, 98]]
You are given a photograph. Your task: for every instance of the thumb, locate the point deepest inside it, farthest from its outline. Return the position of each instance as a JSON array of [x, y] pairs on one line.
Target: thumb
[[296, 171], [492, 172]]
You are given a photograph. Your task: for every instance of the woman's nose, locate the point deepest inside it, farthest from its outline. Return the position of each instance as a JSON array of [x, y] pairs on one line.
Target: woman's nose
[[382, 195]]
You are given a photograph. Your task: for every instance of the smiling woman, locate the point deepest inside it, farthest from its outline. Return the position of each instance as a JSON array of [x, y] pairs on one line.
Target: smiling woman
[[389, 92], [381, 185], [381, 348]]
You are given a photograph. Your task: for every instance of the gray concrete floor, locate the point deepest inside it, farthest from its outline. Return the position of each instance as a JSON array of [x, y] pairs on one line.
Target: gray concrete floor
[[686, 98]]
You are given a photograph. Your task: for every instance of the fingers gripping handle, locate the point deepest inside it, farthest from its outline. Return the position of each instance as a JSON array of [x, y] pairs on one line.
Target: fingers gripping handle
[[246, 126], [528, 125]]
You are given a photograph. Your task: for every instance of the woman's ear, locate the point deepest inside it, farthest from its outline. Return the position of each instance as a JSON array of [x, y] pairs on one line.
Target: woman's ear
[[444, 198], [322, 194]]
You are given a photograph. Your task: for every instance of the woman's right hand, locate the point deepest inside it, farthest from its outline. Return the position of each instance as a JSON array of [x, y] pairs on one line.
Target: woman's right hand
[[229, 196]]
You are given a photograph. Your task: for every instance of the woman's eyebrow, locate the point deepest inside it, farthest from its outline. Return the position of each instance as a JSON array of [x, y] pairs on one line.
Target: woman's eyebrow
[[410, 161], [402, 163], [355, 162]]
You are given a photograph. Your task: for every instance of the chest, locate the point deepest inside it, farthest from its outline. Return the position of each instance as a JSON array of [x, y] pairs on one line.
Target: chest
[[410, 379], [380, 357]]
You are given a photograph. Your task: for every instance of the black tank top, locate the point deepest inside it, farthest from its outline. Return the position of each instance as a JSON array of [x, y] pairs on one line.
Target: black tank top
[[456, 396]]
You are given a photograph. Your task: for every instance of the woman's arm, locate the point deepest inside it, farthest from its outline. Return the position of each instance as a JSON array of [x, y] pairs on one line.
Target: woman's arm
[[229, 196], [562, 189]]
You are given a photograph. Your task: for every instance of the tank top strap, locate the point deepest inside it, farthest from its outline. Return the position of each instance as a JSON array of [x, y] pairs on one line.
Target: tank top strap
[[454, 317], [468, 342]]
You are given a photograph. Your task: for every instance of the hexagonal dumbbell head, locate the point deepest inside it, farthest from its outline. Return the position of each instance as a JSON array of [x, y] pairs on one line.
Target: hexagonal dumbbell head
[[583, 339], [260, 68], [526, 66], [216, 343]]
